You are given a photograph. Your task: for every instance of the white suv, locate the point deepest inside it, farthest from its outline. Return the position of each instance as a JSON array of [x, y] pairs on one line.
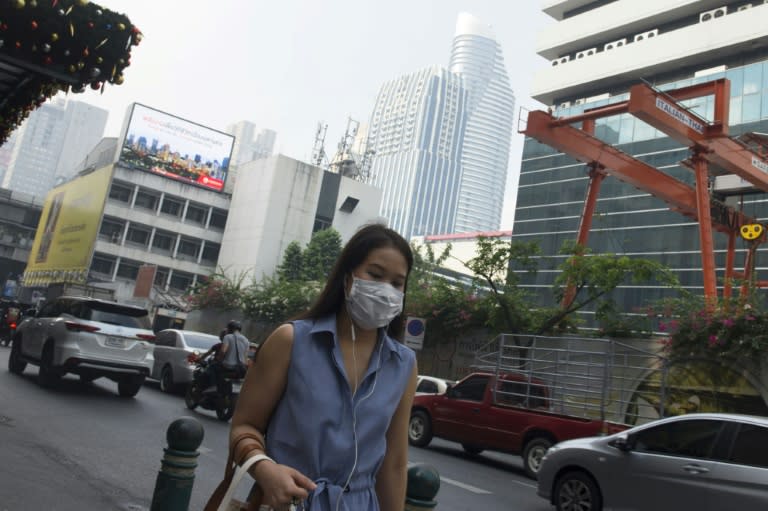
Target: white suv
[[88, 337]]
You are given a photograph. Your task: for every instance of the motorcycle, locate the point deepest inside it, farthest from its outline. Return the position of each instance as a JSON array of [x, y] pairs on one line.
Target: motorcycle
[[204, 392]]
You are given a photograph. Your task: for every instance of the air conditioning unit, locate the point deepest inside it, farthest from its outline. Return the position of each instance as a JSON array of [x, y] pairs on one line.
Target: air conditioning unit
[[580, 101], [647, 35], [564, 104], [563, 60], [616, 44], [714, 13], [743, 7], [586, 53]]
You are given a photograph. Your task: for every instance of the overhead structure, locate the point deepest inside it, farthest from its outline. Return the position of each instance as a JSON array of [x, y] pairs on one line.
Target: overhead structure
[[713, 153]]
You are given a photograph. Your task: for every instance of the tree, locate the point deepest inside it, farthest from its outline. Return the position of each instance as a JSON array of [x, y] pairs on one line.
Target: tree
[[292, 267], [321, 254], [218, 291]]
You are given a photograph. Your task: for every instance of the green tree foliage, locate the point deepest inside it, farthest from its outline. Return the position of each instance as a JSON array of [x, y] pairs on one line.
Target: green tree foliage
[[219, 291], [292, 267], [273, 300], [321, 254]]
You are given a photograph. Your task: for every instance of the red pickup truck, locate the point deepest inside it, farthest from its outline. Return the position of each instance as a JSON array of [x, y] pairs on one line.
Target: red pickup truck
[[510, 414]]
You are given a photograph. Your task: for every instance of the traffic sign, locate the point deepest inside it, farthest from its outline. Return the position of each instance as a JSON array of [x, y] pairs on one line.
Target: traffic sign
[[414, 332]]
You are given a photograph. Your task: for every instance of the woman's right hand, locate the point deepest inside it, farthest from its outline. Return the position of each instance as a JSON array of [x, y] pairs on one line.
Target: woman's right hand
[[281, 483]]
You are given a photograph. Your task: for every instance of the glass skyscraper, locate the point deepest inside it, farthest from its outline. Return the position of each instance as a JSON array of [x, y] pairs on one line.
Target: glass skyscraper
[[416, 130], [477, 58], [441, 139], [598, 51]]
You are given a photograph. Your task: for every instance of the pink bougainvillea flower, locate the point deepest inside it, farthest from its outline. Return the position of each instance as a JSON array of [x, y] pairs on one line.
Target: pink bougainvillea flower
[[662, 327], [712, 340], [728, 322]]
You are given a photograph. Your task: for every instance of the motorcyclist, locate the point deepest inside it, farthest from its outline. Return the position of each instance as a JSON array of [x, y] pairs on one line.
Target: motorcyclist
[[232, 358]]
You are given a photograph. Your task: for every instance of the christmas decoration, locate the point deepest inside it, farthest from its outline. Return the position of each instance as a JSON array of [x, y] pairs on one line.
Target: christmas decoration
[[60, 45]]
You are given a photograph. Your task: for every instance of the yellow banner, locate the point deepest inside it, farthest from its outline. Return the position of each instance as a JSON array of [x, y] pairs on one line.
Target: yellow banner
[[67, 230]]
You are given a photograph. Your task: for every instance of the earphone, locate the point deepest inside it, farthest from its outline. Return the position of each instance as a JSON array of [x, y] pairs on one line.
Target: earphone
[[354, 407]]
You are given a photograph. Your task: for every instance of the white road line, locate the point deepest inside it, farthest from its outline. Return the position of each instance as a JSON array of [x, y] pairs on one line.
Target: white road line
[[463, 486]]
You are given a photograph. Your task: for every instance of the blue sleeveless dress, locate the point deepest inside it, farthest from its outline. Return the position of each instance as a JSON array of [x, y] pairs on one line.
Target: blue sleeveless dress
[[317, 423]]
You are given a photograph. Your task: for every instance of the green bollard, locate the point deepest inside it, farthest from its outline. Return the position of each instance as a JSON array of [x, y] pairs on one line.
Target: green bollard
[[173, 487], [423, 485]]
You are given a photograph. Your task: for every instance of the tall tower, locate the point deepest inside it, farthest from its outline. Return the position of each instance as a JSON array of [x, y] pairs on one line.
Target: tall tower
[[415, 132], [597, 51], [476, 57]]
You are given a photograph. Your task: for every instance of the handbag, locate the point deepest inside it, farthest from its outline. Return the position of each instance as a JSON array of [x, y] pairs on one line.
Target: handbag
[[222, 497]]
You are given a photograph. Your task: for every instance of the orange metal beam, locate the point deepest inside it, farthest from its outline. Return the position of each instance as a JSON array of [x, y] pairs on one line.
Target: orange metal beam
[[660, 111], [705, 227], [624, 167]]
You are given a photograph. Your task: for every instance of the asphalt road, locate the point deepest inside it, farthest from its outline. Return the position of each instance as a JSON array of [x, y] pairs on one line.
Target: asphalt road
[[82, 447]]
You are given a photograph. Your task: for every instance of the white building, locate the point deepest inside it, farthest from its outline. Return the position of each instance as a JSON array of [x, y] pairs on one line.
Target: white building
[[50, 144], [476, 57], [416, 132], [278, 200]]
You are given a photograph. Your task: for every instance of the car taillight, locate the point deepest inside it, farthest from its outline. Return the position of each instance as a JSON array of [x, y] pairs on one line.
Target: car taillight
[[80, 327], [13, 325], [146, 337]]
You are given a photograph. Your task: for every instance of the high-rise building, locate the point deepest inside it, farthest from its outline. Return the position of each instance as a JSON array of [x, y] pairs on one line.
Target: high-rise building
[[477, 58], [441, 139], [416, 132], [50, 144], [597, 51], [250, 144]]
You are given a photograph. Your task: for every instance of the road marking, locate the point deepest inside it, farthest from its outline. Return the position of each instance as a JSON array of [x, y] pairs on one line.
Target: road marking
[[463, 486]]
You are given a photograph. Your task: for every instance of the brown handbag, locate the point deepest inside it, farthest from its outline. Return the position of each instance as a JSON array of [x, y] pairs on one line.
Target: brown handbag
[[254, 497]]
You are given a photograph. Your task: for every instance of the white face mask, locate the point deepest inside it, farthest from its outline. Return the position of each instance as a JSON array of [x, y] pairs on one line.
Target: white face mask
[[373, 304]]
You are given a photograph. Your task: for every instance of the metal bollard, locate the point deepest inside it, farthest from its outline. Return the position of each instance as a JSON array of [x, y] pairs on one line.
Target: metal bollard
[[173, 486], [423, 485]]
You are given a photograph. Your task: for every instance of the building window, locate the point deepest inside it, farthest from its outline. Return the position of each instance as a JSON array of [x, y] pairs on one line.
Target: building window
[[180, 280], [172, 207], [163, 241], [188, 249], [146, 200], [102, 265], [111, 230], [218, 219], [211, 253], [138, 235], [161, 276], [196, 214], [120, 192], [128, 269]]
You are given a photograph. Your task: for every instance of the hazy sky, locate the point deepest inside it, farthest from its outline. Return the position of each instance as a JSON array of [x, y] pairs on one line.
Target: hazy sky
[[288, 64]]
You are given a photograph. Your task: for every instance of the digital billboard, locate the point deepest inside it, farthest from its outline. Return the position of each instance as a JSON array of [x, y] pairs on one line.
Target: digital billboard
[[169, 146], [67, 230]]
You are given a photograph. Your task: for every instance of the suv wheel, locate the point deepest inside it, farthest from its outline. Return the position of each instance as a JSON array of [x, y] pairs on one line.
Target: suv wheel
[[420, 429], [129, 387], [16, 364], [577, 491], [533, 453], [47, 375], [166, 380]]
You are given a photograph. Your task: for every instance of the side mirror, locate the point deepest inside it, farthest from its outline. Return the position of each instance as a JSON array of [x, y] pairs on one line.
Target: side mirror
[[30, 313], [621, 443]]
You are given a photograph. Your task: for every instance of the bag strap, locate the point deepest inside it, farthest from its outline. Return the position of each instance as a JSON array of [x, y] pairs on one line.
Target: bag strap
[[240, 471], [221, 490]]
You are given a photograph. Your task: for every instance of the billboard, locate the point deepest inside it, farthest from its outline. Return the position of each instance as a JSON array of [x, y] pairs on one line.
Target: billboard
[[67, 230], [169, 146]]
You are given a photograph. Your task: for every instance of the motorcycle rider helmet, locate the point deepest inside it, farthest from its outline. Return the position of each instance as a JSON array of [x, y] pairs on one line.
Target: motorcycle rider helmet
[[234, 325]]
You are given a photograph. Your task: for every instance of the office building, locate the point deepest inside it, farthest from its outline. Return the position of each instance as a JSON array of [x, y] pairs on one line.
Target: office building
[[50, 144], [597, 51], [441, 139], [279, 200], [416, 132], [250, 143], [476, 57]]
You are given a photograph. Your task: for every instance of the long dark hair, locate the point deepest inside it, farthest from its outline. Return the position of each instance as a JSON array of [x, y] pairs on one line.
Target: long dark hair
[[367, 239]]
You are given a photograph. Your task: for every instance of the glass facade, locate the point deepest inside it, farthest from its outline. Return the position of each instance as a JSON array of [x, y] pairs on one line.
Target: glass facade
[[629, 221]]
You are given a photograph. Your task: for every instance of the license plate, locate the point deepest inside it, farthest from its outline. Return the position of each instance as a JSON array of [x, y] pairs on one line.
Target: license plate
[[115, 342]]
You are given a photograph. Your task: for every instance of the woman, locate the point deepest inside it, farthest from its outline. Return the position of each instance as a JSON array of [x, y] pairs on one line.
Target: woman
[[333, 389]]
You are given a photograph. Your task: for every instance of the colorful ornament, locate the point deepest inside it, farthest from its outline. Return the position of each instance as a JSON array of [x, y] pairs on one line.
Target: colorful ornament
[[119, 79], [121, 26], [96, 85], [95, 71], [19, 4], [33, 24], [48, 60], [82, 2], [54, 37], [46, 47], [71, 68], [99, 60], [80, 65], [86, 52]]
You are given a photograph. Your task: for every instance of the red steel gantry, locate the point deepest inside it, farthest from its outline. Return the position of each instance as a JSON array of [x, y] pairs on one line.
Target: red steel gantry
[[709, 143]]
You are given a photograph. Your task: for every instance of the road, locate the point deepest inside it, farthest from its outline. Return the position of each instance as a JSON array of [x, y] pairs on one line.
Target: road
[[81, 446]]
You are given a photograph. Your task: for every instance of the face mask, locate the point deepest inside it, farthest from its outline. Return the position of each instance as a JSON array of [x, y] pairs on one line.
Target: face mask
[[373, 304]]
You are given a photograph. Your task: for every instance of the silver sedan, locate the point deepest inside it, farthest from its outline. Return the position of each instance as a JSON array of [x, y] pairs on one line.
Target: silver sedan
[[172, 350], [697, 461]]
